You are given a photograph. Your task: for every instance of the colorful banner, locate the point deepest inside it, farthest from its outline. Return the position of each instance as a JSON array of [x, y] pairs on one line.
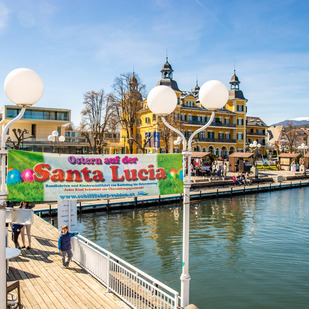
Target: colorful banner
[[35, 176]]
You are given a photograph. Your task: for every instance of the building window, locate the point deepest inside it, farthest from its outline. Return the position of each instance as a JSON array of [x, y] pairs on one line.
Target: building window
[[211, 135], [240, 108], [240, 121], [33, 130], [240, 136], [147, 120]]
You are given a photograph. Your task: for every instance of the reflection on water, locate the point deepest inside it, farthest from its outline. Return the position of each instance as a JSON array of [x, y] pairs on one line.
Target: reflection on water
[[245, 252]]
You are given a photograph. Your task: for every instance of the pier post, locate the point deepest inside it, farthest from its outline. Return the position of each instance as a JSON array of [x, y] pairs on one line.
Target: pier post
[[50, 213], [135, 200], [80, 208]]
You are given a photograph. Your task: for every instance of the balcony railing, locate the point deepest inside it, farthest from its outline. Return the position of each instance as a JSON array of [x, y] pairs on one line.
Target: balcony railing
[[213, 124], [217, 140], [256, 133]]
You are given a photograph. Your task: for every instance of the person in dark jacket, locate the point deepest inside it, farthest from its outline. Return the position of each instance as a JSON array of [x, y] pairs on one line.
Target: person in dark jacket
[[16, 228], [64, 245]]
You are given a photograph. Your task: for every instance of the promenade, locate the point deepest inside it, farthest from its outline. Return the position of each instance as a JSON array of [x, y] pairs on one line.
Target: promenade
[[46, 284]]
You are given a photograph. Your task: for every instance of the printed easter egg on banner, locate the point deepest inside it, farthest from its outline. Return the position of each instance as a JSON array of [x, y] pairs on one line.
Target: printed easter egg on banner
[[173, 173], [180, 173], [27, 175], [13, 177]]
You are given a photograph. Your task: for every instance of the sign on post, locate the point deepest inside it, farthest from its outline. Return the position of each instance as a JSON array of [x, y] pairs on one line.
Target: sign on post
[[67, 214]]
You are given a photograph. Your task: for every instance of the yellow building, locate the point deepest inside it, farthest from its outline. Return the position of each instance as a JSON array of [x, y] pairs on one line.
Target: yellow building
[[225, 135], [37, 124]]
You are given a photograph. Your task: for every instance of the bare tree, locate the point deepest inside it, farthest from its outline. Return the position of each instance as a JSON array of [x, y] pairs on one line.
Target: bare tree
[[289, 134], [98, 117], [166, 134], [128, 94], [20, 137]]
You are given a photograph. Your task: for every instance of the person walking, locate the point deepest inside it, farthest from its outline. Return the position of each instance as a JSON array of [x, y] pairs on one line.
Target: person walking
[[16, 228], [64, 245], [26, 227], [224, 171]]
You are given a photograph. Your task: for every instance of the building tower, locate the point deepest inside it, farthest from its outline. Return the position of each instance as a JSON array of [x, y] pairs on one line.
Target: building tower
[[167, 76]]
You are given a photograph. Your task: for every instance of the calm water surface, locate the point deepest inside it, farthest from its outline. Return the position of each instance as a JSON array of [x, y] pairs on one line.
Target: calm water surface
[[245, 252]]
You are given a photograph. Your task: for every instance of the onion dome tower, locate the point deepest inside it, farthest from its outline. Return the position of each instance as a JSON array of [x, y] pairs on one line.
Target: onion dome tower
[[167, 76], [234, 92]]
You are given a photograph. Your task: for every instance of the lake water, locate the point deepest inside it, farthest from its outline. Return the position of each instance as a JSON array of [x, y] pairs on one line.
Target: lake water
[[248, 251]]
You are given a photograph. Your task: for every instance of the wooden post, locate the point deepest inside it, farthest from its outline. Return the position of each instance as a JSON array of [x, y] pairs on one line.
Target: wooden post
[[135, 200], [49, 210]]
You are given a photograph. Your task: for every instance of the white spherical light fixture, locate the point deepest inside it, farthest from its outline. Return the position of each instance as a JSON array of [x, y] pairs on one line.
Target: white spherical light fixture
[[162, 100], [51, 138], [213, 95], [24, 87], [61, 138], [55, 133]]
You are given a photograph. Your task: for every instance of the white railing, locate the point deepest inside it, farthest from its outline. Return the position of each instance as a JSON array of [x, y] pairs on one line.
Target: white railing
[[133, 286]]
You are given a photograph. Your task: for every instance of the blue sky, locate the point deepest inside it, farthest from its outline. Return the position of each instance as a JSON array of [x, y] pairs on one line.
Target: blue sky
[[76, 46]]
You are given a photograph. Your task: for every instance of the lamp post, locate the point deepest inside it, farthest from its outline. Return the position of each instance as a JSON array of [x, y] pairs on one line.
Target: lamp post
[[162, 101], [54, 137], [255, 146], [23, 87], [303, 147]]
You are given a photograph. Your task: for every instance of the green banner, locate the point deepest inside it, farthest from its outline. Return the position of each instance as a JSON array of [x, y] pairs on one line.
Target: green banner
[[34, 176]]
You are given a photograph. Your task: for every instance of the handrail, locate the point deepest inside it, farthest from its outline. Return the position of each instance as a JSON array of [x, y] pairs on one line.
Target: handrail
[[125, 280]]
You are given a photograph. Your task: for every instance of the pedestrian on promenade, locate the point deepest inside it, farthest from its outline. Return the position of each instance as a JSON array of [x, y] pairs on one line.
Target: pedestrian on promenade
[[26, 227], [224, 171], [64, 245], [16, 228]]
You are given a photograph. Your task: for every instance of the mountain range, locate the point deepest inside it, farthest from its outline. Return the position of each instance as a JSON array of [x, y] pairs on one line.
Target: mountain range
[[300, 121]]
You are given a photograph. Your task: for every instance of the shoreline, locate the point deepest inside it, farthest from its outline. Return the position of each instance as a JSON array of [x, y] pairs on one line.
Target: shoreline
[[202, 188]]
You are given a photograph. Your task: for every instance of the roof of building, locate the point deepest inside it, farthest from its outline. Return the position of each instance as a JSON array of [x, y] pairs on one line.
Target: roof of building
[[168, 82], [274, 133], [289, 155], [255, 121], [241, 155], [236, 94], [198, 154]]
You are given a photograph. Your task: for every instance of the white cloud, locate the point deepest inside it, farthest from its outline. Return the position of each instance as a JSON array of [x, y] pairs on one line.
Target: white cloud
[[4, 16]]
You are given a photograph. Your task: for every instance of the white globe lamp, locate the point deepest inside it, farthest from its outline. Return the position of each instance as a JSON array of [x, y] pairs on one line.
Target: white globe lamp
[[213, 95], [61, 138], [24, 87], [51, 138], [162, 100]]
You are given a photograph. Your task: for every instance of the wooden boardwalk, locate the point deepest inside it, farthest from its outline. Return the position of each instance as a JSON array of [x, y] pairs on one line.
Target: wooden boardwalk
[[46, 284]]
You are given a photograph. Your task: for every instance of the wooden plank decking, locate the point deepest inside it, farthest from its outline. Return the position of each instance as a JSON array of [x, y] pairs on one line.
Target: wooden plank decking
[[46, 284]]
